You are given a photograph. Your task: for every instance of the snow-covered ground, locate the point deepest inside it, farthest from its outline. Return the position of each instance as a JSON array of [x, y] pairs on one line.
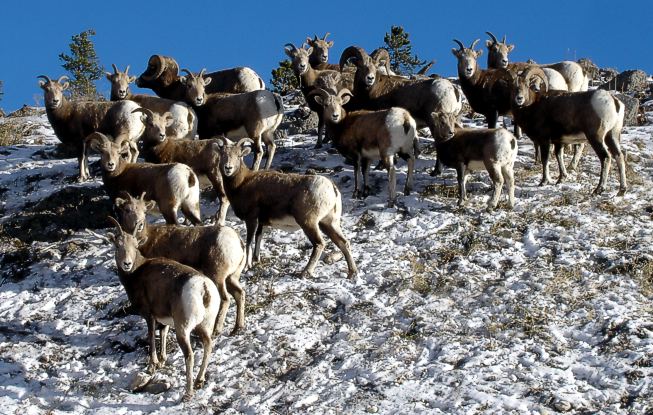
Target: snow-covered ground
[[542, 309]]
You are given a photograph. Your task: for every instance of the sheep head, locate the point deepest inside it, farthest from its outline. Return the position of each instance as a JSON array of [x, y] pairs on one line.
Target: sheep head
[[113, 155], [119, 82], [527, 85], [232, 154], [497, 52], [381, 57], [299, 57], [155, 125], [53, 91], [320, 53], [132, 212], [195, 87], [467, 59], [366, 66], [333, 103], [126, 247], [444, 125], [161, 71]]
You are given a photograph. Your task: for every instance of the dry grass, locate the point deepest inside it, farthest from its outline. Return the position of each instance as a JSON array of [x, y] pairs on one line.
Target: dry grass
[[10, 133]]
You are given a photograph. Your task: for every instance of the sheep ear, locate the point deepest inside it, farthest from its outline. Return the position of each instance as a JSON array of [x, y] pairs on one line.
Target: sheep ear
[[319, 100], [345, 99], [108, 75], [309, 40], [207, 81], [489, 43], [65, 85], [131, 79], [454, 51], [42, 84], [479, 52], [510, 48], [330, 43], [183, 80], [111, 236], [245, 151], [144, 118], [96, 141], [120, 202], [169, 119], [149, 205], [309, 50], [288, 52]]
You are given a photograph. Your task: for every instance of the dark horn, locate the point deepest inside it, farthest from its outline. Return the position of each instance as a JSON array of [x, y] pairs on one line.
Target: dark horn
[[460, 44], [47, 79], [494, 39], [115, 68]]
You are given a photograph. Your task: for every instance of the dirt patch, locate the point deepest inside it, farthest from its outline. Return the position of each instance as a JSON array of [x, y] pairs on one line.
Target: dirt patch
[[59, 215]]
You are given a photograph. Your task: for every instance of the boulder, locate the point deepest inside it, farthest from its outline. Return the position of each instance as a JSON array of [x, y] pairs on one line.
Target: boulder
[[628, 81], [632, 109]]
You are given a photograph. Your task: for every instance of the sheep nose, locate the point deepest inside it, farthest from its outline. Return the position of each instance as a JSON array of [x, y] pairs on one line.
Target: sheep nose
[[199, 100], [504, 62], [111, 164], [162, 136], [127, 264]]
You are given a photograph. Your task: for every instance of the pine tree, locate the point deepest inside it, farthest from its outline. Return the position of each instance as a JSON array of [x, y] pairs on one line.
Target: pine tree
[[402, 60], [283, 79], [83, 65]]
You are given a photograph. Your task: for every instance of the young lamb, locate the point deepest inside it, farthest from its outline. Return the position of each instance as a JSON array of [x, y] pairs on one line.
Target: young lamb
[[470, 149], [197, 154], [171, 185], [362, 136], [72, 122], [217, 251], [167, 292], [284, 201]]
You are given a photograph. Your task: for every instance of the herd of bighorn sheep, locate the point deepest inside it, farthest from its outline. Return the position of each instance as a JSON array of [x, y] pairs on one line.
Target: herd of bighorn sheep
[[173, 273]]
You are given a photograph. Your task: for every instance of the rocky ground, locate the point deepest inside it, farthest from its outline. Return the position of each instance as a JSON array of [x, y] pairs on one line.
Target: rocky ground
[[543, 309]]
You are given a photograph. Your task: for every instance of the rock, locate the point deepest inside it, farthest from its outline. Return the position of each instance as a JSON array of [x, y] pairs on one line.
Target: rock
[[628, 81], [561, 405], [589, 67], [26, 111], [632, 109], [157, 386], [300, 121], [2, 113], [140, 380]]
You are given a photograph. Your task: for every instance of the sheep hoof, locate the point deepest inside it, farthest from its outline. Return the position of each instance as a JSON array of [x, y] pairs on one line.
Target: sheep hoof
[[236, 331], [435, 173], [187, 396], [545, 182], [598, 190], [152, 368], [352, 274], [622, 191], [561, 179], [199, 383], [407, 191], [318, 145]]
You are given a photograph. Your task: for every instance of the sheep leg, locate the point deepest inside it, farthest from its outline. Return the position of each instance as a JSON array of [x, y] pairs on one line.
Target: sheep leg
[[461, 173], [578, 153], [216, 180], [224, 306], [409, 178], [357, 166], [153, 364], [560, 157], [365, 166], [334, 232], [392, 180], [313, 233], [491, 119], [615, 150], [258, 153], [207, 345], [604, 157], [183, 339], [271, 146], [494, 171], [517, 130], [234, 288], [320, 130], [164, 344], [509, 177], [544, 151], [82, 161], [538, 156], [169, 212], [252, 228], [257, 243], [191, 213]]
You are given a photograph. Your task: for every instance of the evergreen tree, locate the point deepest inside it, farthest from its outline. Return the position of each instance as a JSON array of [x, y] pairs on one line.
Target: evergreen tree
[[83, 65], [2, 92], [283, 79], [402, 59]]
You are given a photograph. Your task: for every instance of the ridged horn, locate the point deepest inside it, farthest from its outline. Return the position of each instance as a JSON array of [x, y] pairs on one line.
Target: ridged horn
[[460, 44], [352, 52], [494, 39], [145, 111]]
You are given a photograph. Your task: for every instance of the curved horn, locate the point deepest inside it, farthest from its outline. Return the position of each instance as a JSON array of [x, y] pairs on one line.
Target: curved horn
[[126, 69], [160, 67], [535, 71], [379, 55], [62, 78], [115, 68], [201, 75], [189, 73], [319, 91], [47, 78], [142, 196], [344, 91], [291, 46], [116, 223], [426, 68], [494, 39], [145, 111], [504, 39], [460, 44], [325, 36], [352, 52], [244, 141], [473, 45]]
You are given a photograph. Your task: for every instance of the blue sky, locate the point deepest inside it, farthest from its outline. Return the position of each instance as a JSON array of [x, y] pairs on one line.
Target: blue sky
[[218, 35]]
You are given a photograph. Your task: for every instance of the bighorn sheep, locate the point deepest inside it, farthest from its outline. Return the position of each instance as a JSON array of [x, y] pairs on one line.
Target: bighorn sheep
[[162, 76], [171, 185], [572, 73], [362, 136], [309, 77], [197, 154], [285, 201], [421, 97], [255, 114], [216, 251], [319, 57], [167, 292], [72, 122], [184, 120], [558, 118], [486, 91], [470, 149]]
